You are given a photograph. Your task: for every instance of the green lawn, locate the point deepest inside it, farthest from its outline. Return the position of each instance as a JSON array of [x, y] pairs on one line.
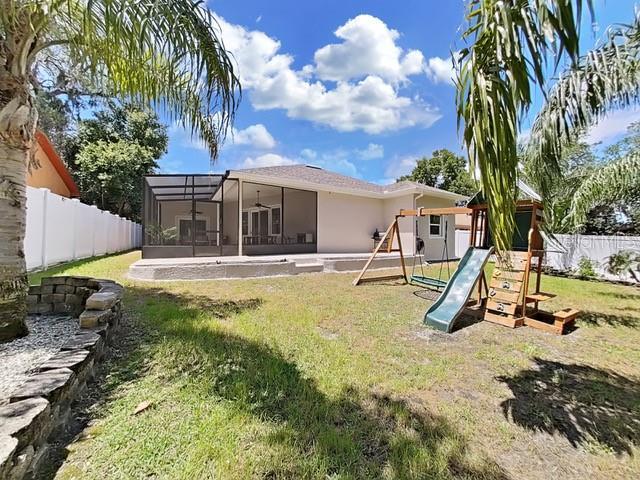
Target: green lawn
[[309, 377]]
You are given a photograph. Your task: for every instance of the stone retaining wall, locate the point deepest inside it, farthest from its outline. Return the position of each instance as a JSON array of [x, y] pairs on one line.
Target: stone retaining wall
[[42, 404]]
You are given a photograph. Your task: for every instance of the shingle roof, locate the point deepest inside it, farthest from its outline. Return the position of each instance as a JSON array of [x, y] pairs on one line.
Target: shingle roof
[[320, 176], [311, 174]]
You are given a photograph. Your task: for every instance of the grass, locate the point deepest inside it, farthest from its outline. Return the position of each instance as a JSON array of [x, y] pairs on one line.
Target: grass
[[309, 377]]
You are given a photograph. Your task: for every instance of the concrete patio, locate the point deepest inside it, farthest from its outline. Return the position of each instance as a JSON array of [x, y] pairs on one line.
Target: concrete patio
[[207, 268]]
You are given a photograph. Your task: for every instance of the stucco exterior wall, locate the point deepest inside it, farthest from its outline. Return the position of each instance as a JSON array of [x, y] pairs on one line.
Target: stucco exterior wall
[[435, 246], [46, 176], [392, 207], [347, 222]]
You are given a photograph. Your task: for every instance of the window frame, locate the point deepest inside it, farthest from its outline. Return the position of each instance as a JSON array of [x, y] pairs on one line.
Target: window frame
[[440, 226], [199, 217], [250, 211]]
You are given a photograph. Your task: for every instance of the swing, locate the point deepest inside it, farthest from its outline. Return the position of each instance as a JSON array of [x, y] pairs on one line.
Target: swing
[[423, 280]]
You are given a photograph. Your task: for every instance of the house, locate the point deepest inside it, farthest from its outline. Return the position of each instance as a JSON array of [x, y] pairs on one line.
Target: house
[[285, 209], [51, 172]]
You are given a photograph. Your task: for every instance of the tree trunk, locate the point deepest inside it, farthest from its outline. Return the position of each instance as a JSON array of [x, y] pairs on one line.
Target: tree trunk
[[18, 120], [17, 125]]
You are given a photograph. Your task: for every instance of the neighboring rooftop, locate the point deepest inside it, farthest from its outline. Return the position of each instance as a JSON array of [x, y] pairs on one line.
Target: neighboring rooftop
[[312, 175]]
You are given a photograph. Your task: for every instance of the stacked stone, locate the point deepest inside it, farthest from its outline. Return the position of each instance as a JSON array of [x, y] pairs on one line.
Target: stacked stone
[[61, 295], [42, 404]]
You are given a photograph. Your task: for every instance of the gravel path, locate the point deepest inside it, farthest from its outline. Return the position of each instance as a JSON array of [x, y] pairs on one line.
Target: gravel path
[[22, 356]]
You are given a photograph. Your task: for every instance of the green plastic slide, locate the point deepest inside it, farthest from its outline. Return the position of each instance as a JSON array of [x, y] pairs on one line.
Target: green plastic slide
[[444, 312]]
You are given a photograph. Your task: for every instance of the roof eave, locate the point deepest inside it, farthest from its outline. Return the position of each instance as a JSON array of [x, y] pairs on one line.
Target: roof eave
[[301, 184], [425, 190], [57, 164]]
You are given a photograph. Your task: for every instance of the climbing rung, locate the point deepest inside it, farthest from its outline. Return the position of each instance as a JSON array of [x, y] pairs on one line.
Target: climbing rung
[[501, 307]]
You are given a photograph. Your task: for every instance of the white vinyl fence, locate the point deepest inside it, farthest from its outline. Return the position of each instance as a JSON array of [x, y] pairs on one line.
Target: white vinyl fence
[[597, 248], [60, 229], [565, 254], [462, 241]]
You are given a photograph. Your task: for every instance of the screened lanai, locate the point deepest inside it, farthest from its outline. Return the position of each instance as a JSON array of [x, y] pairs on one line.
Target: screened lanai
[[188, 215]]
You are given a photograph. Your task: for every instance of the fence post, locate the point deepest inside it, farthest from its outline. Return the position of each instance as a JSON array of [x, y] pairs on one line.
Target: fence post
[[74, 222], [45, 199], [94, 219]]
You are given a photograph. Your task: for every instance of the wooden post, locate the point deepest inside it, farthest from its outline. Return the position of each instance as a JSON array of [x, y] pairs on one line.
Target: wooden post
[[404, 269], [472, 240], [389, 231]]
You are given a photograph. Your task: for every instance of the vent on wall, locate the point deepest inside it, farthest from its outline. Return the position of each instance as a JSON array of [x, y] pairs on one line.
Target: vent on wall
[[313, 166]]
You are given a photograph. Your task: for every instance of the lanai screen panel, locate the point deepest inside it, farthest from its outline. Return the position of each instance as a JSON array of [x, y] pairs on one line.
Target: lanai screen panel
[[181, 217]]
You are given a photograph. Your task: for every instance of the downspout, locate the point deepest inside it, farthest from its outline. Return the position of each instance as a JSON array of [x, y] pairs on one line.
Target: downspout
[[415, 227]]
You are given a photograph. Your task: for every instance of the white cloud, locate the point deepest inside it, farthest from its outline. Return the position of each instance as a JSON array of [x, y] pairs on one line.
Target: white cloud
[[337, 161], [308, 154], [267, 160], [368, 48], [366, 97], [256, 136], [440, 70], [372, 152], [184, 138], [612, 126], [400, 166]]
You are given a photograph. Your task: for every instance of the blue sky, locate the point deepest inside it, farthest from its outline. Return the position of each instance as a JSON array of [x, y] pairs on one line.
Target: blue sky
[[361, 88]]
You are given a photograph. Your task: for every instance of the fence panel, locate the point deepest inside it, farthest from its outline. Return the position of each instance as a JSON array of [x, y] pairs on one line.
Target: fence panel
[[84, 230], [60, 229], [34, 238], [597, 248], [462, 241]]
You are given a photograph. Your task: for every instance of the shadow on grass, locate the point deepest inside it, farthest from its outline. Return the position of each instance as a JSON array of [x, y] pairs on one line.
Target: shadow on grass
[[598, 319], [622, 296], [353, 434], [581, 403]]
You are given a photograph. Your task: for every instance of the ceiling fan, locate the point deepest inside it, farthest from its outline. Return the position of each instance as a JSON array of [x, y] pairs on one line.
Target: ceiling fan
[[258, 204]]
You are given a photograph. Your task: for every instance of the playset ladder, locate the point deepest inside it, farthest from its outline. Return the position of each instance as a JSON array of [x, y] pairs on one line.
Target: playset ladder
[[508, 281]]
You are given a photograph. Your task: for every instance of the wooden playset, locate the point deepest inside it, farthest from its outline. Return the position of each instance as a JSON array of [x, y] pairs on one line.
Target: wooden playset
[[506, 298], [509, 300], [391, 242]]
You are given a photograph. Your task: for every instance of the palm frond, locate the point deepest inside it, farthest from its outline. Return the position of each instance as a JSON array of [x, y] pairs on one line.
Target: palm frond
[[511, 41], [616, 181], [167, 54], [606, 78]]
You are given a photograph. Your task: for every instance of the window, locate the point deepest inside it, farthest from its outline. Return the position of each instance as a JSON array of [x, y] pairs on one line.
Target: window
[[186, 231], [435, 226], [261, 222], [275, 221], [245, 223]]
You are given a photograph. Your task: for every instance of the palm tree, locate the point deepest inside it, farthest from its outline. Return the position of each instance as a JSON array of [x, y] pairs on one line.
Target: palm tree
[[167, 54], [510, 44], [606, 78]]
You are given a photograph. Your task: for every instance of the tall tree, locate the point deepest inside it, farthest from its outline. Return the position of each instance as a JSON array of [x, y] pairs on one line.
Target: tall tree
[[510, 43], [110, 153], [446, 170], [605, 79], [577, 164], [167, 54]]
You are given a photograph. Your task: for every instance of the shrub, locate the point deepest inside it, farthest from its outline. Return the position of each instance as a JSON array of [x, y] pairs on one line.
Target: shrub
[[625, 261], [586, 268]]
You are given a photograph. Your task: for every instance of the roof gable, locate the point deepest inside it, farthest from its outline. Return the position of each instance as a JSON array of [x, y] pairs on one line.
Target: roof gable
[[57, 163]]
